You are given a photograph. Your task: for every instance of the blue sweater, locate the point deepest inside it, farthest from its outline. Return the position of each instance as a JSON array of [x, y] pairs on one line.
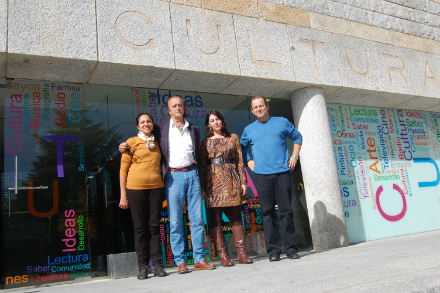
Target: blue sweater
[[269, 144]]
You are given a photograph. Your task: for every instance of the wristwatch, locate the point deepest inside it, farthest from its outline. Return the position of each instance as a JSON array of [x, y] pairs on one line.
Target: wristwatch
[[296, 157]]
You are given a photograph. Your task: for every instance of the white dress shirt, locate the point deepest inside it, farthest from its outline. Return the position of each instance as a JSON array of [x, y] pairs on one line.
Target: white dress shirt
[[180, 146]]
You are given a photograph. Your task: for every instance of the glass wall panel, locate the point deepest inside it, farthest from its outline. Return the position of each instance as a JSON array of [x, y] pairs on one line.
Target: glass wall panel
[[64, 218], [44, 202], [388, 170], [283, 108]]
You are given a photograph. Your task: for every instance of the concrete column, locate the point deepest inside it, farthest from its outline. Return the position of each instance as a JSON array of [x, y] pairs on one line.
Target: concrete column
[[318, 165]]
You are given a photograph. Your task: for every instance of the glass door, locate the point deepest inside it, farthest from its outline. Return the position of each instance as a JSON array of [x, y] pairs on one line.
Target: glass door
[[99, 186], [44, 201], [109, 121]]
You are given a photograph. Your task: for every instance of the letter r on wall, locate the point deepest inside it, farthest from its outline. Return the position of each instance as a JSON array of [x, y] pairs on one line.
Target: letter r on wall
[[400, 70]]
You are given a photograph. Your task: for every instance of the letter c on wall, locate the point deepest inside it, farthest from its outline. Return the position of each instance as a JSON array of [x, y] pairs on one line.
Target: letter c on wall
[[387, 217], [120, 35]]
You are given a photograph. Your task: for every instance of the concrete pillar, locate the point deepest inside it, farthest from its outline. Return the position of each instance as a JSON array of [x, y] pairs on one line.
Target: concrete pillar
[[318, 165]]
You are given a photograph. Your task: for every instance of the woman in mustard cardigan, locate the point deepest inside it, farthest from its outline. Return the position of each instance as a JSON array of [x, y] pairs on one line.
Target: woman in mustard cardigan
[[142, 190]]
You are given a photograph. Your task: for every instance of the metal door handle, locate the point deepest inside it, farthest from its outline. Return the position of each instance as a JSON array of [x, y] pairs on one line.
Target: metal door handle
[[16, 174], [25, 188], [20, 188], [105, 192], [16, 188]]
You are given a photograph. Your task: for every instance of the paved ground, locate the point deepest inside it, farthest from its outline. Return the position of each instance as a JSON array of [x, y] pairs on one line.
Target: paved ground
[[400, 264]]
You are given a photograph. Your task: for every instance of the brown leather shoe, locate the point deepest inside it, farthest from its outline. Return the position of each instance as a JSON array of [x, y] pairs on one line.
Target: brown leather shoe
[[182, 268], [203, 265]]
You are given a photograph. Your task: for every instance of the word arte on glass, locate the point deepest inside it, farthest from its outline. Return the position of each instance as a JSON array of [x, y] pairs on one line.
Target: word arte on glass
[[387, 164]]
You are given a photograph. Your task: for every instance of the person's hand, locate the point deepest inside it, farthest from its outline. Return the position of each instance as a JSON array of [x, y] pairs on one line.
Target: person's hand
[[251, 165], [243, 190], [123, 203], [204, 195], [123, 147], [292, 163]]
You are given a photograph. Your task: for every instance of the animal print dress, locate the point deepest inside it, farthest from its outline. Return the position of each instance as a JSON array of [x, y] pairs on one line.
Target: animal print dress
[[223, 181]]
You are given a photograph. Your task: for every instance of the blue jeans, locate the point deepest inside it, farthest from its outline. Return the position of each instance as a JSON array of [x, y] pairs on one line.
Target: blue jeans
[[181, 185]]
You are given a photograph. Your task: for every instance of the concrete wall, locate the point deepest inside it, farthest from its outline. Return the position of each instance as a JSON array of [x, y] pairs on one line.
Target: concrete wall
[[372, 53]]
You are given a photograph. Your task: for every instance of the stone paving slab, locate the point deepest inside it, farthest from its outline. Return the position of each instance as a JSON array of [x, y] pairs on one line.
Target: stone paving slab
[[401, 264]]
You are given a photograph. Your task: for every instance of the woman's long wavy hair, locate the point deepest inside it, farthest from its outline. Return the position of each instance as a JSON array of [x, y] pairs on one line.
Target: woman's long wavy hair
[[208, 129]]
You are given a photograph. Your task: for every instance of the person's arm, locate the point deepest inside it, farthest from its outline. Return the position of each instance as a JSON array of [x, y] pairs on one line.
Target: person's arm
[[245, 142], [197, 155], [240, 165], [296, 136], [126, 161], [123, 203], [204, 162], [293, 159]]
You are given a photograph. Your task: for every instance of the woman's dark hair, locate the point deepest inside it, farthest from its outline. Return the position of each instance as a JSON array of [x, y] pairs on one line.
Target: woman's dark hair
[[208, 129], [142, 114]]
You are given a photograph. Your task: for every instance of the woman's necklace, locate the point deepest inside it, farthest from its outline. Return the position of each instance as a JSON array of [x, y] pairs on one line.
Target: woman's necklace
[[148, 139]]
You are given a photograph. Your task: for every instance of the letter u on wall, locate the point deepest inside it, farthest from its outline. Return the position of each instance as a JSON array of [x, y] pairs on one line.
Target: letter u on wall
[[55, 201], [429, 183]]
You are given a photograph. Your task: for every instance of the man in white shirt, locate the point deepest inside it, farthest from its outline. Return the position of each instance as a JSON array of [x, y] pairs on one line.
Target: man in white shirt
[[181, 171]]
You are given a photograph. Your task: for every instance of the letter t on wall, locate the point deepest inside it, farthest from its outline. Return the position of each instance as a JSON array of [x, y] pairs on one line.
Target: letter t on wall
[[314, 44], [59, 140]]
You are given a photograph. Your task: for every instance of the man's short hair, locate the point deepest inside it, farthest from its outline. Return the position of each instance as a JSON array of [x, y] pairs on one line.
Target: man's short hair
[[259, 97]]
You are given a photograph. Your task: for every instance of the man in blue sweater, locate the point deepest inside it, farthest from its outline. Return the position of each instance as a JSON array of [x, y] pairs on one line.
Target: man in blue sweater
[[271, 164]]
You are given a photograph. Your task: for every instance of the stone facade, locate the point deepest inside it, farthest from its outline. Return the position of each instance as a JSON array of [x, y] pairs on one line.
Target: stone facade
[[359, 52], [232, 47]]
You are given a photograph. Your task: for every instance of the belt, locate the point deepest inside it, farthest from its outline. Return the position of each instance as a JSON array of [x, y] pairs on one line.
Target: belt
[[183, 169], [221, 160]]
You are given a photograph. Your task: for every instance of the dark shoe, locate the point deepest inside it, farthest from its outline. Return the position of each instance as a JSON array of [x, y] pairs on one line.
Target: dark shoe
[[203, 265], [143, 273], [239, 243], [274, 257], [159, 271], [219, 240], [293, 255], [150, 269], [182, 268]]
